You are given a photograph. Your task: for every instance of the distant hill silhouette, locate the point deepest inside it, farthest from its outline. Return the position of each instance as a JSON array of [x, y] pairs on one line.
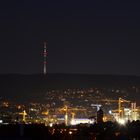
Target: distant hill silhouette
[[26, 87]]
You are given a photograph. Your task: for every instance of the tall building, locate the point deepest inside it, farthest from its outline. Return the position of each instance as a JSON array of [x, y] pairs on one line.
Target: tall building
[[45, 58], [100, 115]]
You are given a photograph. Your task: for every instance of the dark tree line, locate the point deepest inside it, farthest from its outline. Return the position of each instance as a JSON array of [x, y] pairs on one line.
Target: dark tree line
[[100, 131]]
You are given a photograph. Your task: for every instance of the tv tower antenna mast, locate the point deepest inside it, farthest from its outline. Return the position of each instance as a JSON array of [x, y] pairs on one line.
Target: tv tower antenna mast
[[45, 58]]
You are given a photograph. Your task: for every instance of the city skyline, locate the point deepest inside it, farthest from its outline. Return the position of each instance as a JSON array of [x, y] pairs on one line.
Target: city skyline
[[70, 69], [89, 38]]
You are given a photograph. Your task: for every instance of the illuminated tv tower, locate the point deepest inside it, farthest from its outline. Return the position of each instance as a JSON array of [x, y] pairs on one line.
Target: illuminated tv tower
[[45, 58]]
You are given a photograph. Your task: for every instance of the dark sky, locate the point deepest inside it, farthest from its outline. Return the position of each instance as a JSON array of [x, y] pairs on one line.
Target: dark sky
[[94, 37]]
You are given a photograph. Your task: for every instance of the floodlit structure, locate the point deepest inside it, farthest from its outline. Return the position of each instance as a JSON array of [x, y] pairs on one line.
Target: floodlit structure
[[67, 111], [82, 121], [125, 114], [118, 113], [24, 115]]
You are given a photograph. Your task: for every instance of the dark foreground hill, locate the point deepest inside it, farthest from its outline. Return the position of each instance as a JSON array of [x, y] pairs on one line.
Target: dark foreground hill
[[23, 87]]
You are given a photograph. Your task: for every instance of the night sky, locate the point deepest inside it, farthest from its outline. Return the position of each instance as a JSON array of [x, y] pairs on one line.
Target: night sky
[[90, 37]]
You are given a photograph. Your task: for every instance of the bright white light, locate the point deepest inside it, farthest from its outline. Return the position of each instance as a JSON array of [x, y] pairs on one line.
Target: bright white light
[[121, 121], [110, 112], [70, 132], [73, 122], [51, 125]]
